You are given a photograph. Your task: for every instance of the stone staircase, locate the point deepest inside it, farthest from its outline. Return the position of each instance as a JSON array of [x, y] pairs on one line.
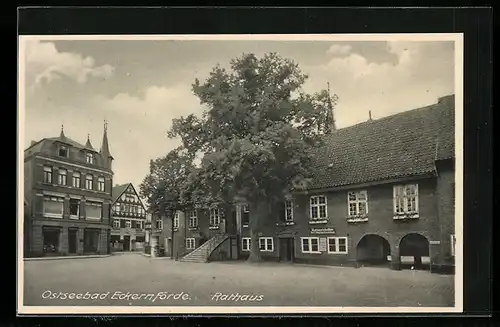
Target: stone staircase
[[202, 253]]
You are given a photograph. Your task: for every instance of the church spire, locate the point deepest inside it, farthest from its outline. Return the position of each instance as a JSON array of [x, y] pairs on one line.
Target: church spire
[[105, 145], [330, 120]]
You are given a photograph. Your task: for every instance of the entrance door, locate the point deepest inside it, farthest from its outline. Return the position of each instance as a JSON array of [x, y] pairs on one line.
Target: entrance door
[[126, 243], [286, 249], [72, 240]]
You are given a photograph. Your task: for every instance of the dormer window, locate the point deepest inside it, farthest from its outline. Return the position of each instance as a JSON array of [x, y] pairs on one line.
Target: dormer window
[[63, 151], [90, 158]]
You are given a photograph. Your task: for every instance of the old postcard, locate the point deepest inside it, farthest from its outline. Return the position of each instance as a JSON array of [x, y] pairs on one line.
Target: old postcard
[[240, 174]]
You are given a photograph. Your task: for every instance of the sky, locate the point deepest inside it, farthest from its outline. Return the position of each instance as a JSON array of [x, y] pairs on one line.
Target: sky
[[139, 86]]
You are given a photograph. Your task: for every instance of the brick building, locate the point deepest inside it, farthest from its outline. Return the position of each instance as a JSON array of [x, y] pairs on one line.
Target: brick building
[[67, 189], [383, 193], [129, 215]]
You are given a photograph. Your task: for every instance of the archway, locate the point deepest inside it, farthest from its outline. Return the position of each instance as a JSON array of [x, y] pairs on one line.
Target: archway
[[373, 250], [414, 251]]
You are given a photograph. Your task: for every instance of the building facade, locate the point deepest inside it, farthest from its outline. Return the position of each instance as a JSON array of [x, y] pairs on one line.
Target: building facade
[[128, 219], [383, 193], [67, 189]]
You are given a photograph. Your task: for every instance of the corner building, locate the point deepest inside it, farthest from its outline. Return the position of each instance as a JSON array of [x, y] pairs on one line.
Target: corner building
[[67, 188]]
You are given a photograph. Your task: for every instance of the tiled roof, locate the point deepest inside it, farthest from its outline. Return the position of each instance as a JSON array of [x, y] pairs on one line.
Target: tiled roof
[[67, 140], [404, 144], [118, 190]]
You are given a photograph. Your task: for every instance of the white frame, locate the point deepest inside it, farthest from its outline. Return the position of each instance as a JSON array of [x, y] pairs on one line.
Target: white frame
[[318, 205], [128, 223], [176, 220], [93, 204], [87, 180], [193, 217], [116, 220], [266, 248], [453, 244], [50, 172], [214, 217], [337, 243], [405, 199], [62, 147], [289, 201], [188, 241], [160, 225], [141, 224], [53, 199], [62, 174], [77, 209], [101, 181], [245, 210], [357, 201], [90, 158], [309, 242], [76, 176], [248, 242]]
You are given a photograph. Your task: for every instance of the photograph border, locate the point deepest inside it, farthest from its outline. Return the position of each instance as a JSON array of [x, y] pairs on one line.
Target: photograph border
[[459, 162]]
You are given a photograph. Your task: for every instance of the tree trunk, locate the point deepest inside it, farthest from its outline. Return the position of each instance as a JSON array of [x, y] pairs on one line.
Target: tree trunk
[[259, 213]]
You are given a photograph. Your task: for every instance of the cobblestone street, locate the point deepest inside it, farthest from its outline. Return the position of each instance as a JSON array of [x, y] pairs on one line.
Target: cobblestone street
[[50, 282]]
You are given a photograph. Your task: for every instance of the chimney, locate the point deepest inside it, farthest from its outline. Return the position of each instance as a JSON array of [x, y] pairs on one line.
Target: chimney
[[370, 115], [32, 143]]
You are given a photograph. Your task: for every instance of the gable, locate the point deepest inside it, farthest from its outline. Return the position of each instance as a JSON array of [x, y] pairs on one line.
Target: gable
[[126, 193]]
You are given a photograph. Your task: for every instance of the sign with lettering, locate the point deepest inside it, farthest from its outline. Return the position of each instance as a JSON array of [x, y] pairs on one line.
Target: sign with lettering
[[322, 230], [322, 244], [435, 242]]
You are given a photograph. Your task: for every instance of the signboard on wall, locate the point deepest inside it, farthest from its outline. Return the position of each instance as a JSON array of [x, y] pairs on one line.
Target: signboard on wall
[[322, 230], [322, 244]]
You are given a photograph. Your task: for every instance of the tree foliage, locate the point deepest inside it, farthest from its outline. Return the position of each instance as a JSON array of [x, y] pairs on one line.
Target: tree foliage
[[162, 187], [254, 137]]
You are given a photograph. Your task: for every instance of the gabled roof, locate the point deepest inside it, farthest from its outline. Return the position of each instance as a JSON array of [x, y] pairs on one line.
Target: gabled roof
[[404, 144], [118, 191]]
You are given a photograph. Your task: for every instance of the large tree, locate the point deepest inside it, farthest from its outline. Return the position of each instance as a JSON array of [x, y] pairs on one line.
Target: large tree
[[254, 137], [162, 187]]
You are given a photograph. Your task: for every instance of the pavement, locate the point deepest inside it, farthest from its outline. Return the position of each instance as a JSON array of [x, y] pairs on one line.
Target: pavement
[[133, 279]]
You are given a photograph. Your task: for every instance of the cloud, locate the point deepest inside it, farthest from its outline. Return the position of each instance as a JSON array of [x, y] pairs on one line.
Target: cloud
[[44, 63], [339, 49], [423, 72]]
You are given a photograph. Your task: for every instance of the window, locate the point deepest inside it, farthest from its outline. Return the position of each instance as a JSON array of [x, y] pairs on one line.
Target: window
[[53, 206], [74, 208], [90, 158], [176, 220], [406, 199], [318, 207], [357, 202], [337, 245], [116, 223], [76, 179], [288, 210], [310, 244], [266, 244], [93, 210], [63, 175], [193, 219], [139, 224], [159, 224], [89, 182], [246, 244], [453, 243], [100, 184], [190, 243], [63, 152], [246, 215], [214, 217], [47, 174], [128, 224]]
